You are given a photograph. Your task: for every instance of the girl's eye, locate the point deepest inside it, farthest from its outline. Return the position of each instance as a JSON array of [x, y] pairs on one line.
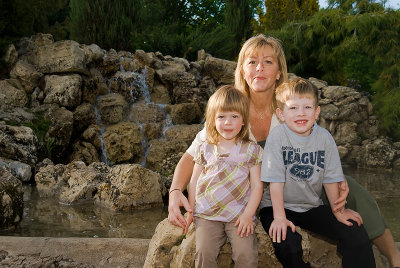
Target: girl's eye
[[235, 116], [220, 116]]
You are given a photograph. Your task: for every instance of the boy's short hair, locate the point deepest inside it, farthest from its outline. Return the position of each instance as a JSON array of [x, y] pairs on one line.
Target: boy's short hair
[[294, 86], [226, 99]]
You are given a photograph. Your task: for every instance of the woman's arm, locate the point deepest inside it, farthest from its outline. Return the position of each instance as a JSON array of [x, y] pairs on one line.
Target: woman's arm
[[192, 194], [182, 174]]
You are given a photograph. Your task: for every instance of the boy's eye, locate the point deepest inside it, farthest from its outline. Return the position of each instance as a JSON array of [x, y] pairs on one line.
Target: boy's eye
[[292, 107], [309, 107]]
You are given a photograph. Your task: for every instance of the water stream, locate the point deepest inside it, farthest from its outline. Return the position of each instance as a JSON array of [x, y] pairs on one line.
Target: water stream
[[47, 217]]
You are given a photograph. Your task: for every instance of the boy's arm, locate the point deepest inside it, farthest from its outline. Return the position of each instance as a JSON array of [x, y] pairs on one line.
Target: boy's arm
[[197, 169], [279, 225], [332, 192], [245, 221]]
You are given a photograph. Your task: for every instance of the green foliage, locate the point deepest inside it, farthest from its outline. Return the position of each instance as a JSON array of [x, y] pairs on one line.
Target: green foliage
[[40, 125], [279, 12]]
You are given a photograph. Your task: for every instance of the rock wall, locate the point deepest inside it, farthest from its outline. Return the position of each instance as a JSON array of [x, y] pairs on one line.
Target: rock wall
[[90, 111]]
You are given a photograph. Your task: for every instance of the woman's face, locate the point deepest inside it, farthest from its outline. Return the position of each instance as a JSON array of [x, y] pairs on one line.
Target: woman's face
[[261, 70]]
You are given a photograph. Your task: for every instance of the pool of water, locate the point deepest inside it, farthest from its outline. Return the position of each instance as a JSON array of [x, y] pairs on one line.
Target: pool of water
[[384, 186], [47, 217]]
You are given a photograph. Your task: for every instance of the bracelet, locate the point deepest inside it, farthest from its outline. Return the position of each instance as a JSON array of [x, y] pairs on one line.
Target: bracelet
[[176, 189]]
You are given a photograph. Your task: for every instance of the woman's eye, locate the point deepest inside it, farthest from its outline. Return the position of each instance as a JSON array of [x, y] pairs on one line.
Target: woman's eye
[[252, 62], [268, 62]]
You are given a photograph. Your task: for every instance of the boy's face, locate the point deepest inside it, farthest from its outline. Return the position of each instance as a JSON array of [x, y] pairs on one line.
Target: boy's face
[[299, 114]]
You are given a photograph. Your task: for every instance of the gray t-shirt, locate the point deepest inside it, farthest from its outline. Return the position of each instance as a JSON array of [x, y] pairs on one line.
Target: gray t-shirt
[[303, 163]]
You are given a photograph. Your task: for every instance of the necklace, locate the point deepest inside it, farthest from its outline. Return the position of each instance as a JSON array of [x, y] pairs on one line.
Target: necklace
[[261, 115]]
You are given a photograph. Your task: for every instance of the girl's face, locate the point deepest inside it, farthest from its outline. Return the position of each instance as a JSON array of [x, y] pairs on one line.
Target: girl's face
[[228, 125], [299, 114], [261, 70]]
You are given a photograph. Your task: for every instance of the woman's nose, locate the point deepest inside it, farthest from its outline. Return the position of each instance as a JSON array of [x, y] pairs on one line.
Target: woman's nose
[[260, 67]]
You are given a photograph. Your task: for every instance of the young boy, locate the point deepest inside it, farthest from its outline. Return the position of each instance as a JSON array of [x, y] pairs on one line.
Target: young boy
[[299, 159]]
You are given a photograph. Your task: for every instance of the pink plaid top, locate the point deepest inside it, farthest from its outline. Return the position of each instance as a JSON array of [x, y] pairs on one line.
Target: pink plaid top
[[223, 187]]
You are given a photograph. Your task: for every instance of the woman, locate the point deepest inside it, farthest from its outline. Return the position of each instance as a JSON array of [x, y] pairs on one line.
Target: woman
[[260, 69]]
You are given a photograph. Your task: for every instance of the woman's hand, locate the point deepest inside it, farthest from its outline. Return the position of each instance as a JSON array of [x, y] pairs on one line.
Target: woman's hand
[[245, 225], [177, 200], [347, 215], [189, 220], [340, 202], [278, 229]]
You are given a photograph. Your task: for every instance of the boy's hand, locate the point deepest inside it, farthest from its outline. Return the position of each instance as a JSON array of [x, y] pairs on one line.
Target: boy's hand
[[189, 220], [347, 215], [245, 225], [278, 229]]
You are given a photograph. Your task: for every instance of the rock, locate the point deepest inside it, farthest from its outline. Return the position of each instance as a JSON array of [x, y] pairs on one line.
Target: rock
[[59, 57], [147, 113], [112, 108], [82, 181], [160, 150], [184, 113], [160, 94], [378, 153], [27, 74], [60, 130], [129, 186], [84, 116], [169, 248], [329, 111], [221, 71], [11, 200], [185, 133], [346, 133], [18, 143], [93, 86], [93, 53], [20, 170], [85, 152], [63, 90], [12, 93], [123, 143], [11, 55]]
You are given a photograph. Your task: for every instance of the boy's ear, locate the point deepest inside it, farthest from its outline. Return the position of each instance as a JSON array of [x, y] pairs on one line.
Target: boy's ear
[[280, 115], [317, 111]]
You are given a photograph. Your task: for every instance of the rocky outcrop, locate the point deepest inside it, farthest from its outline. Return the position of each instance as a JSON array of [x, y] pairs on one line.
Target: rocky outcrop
[[11, 200], [169, 248], [71, 102]]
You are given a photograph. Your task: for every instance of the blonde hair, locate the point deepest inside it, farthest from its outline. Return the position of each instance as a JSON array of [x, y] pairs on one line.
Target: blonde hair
[[295, 86], [227, 98], [250, 46]]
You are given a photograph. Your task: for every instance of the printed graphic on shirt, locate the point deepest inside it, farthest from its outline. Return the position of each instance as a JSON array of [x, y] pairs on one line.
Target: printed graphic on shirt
[[302, 165]]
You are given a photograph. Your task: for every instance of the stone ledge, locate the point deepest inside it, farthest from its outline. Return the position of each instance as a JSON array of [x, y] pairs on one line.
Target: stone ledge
[[72, 252]]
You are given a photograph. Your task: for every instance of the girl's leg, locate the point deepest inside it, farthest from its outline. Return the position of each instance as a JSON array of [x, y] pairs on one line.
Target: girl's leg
[[353, 241], [289, 252], [244, 249], [210, 237]]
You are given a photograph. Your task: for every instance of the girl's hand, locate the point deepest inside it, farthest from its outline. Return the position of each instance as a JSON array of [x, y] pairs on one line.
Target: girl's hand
[[347, 215], [278, 229], [245, 225]]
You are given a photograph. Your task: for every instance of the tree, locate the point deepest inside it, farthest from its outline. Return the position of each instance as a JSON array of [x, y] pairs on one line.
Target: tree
[[278, 12]]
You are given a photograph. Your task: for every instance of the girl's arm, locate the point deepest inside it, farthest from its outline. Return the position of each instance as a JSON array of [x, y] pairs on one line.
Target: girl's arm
[[245, 221], [279, 225], [192, 194], [332, 192]]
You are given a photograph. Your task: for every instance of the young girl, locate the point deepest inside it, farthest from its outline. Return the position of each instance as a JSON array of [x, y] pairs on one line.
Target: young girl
[[225, 188]]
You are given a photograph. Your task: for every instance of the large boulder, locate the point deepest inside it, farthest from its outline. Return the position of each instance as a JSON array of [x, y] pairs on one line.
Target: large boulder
[[130, 186], [12, 93], [185, 113], [59, 57], [112, 108], [18, 143], [169, 248], [123, 143], [222, 71], [11, 200], [64, 90], [161, 150], [27, 74]]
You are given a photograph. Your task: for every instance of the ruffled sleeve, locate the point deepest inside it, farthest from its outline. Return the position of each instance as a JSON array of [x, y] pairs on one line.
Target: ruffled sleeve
[[199, 155], [255, 154]]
